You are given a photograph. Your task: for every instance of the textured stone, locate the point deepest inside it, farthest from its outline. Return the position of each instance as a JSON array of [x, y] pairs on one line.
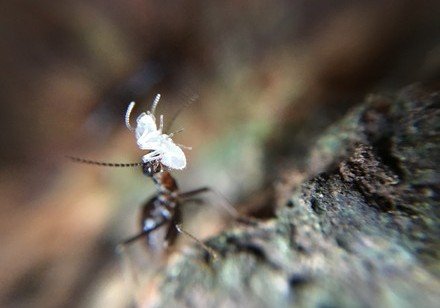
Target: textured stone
[[362, 231]]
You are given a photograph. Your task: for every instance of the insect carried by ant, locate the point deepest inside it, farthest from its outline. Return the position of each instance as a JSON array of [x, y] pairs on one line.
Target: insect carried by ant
[[161, 215]]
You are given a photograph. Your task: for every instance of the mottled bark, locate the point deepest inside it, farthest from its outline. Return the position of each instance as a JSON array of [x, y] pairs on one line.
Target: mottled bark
[[362, 229]]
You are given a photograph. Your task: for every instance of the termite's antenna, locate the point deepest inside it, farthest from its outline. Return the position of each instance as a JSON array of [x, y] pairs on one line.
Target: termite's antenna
[[154, 105], [104, 164], [188, 103], [127, 116]]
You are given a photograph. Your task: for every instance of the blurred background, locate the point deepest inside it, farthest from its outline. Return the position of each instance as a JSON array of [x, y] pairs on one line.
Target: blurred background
[[269, 76]]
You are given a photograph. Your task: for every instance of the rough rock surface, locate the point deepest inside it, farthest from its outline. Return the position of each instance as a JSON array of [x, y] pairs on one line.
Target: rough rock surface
[[362, 230]]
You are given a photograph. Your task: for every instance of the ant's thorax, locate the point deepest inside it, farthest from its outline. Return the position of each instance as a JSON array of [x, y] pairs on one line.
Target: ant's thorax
[[165, 183]]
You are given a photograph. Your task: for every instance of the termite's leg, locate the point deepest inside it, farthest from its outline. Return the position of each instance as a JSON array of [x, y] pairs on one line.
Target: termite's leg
[[175, 132], [184, 146], [225, 202]]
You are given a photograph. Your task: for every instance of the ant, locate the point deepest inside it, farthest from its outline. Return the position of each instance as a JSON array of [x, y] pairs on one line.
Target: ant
[[161, 215]]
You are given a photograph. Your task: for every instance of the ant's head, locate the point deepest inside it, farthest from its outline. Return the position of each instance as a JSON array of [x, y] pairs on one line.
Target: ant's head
[[150, 168]]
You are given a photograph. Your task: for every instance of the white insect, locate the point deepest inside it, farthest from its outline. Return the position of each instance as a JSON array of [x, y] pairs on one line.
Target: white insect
[[151, 138]]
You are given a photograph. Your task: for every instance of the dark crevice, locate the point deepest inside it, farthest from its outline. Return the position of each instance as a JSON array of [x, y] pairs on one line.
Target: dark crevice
[[342, 242], [259, 205], [242, 245], [404, 209], [290, 204], [316, 207], [374, 200], [379, 130], [384, 203], [297, 281], [369, 176], [384, 149], [253, 249], [245, 246], [207, 257]]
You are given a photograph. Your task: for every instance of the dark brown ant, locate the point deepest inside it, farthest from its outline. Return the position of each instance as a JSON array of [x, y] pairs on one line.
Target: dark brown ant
[[161, 217]]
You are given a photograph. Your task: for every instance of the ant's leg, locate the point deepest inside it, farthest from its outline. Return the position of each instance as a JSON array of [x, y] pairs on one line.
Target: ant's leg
[[128, 267], [194, 192], [133, 239], [172, 232], [225, 202], [187, 196], [197, 201], [138, 236], [130, 274], [203, 245], [176, 228]]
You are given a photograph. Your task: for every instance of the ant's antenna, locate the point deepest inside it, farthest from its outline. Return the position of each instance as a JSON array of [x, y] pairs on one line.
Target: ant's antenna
[[127, 116], [104, 164], [154, 105], [187, 103]]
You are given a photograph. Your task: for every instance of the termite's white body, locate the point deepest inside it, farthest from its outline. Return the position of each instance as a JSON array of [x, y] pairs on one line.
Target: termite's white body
[[161, 145], [151, 138]]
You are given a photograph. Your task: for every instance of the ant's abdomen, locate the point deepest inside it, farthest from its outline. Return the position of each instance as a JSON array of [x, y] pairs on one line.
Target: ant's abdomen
[[156, 241], [157, 215]]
